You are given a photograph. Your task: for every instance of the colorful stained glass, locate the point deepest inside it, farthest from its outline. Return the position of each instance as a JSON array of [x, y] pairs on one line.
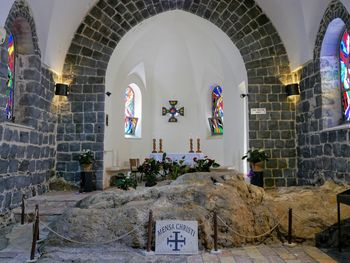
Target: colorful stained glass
[[10, 79], [130, 125], [217, 102], [130, 120], [344, 59], [216, 126]]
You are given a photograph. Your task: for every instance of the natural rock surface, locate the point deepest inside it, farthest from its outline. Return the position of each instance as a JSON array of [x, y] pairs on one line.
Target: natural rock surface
[[247, 209]]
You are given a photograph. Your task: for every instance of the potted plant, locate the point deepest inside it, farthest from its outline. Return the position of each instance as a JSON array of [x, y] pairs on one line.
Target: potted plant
[[86, 159], [256, 157]]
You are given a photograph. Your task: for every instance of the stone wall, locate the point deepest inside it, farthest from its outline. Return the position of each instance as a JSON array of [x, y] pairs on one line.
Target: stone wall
[[27, 145], [322, 142], [81, 124]]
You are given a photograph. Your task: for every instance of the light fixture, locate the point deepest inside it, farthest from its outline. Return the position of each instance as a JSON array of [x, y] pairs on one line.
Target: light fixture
[[108, 93], [243, 95], [292, 89], [61, 89]]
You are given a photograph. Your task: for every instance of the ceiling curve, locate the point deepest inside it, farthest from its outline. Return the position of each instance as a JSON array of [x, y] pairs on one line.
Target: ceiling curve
[[297, 22]]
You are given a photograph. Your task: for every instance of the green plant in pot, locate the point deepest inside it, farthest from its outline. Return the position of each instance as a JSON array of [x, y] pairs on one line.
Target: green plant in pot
[[86, 159], [256, 157]]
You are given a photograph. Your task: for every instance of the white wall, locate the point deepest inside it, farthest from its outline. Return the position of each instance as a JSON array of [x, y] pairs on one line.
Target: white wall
[[176, 56]]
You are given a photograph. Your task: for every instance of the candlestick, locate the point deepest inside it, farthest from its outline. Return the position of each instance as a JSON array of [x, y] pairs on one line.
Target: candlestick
[[160, 146], [198, 146], [154, 146], [191, 146]]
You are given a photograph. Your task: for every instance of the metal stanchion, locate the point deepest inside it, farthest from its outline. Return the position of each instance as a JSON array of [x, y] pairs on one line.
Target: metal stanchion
[[148, 251], [37, 220], [149, 233], [35, 235], [23, 210], [290, 229], [215, 221], [290, 225]]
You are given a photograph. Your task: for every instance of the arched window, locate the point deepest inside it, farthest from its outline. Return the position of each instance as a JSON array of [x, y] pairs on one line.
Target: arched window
[[217, 103], [344, 60], [130, 119], [10, 79]]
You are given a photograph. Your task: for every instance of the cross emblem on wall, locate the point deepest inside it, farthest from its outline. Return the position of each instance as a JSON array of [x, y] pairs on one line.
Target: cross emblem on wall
[[173, 111]]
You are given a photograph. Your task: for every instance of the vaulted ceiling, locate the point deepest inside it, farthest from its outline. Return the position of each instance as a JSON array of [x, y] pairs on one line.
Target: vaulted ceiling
[[297, 22]]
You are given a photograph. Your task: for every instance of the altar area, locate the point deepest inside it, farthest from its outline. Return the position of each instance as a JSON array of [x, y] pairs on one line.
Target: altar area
[[187, 157]]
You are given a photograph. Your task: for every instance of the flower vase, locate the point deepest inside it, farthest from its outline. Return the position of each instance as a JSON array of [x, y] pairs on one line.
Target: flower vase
[[86, 178], [87, 167]]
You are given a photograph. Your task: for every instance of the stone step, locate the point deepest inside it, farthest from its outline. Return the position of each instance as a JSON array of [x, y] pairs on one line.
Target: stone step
[[51, 204]]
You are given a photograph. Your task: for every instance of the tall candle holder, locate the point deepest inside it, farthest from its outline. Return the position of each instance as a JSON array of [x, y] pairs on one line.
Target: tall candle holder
[[160, 146], [154, 146], [191, 146], [198, 146]]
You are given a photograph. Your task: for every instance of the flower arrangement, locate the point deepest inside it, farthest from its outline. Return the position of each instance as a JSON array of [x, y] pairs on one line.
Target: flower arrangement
[[86, 157], [255, 156]]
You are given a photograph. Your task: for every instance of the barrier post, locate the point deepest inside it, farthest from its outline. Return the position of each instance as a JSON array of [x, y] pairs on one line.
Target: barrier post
[[149, 234], [215, 222], [35, 233], [215, 231], [23, 210], [290, 225]]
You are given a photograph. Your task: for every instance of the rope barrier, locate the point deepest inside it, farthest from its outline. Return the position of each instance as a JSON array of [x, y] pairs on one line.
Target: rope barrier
[[252, 237], [90, 243]]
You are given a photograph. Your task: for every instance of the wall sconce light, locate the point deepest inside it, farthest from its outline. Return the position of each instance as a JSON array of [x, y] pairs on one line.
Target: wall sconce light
[[108, 93], [61, 89], [292, 89], [243, 95]]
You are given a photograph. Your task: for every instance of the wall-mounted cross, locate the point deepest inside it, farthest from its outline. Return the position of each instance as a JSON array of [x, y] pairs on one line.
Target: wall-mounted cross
[[173, 111]]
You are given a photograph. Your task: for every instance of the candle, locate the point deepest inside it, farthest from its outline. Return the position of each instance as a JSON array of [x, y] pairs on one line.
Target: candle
[[154, 146], [191, 145], [198, 146]]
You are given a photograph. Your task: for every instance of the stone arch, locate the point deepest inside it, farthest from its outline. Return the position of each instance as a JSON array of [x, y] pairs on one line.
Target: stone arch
[[21, 24], [335, 20], [246, 25]]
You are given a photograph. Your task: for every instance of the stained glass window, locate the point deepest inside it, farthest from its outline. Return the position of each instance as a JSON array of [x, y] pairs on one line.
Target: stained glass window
[[10, 80], [130, 120], [217, 102], [344, 58]]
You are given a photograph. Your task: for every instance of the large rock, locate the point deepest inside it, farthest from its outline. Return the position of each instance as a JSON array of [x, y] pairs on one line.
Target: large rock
[[246, 209]]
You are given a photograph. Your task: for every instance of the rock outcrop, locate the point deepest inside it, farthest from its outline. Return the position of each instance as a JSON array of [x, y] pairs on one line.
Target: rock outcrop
[[246, 209]]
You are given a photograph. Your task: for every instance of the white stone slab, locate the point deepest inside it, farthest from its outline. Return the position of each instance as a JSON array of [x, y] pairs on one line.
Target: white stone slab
[[176, 237]]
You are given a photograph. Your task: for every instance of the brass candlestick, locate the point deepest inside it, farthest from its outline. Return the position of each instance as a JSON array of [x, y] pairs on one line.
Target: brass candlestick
[[191, 146], [198, 146], [160, 146], [154, 146]]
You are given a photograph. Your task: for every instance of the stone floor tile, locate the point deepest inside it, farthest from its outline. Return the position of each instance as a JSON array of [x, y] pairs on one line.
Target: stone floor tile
[[253, 253], [242, 259], [284, 253], [195, 259], [224, 259], [209, 258], [274, 259], [318, 254], [238, 252], [266, 251]]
